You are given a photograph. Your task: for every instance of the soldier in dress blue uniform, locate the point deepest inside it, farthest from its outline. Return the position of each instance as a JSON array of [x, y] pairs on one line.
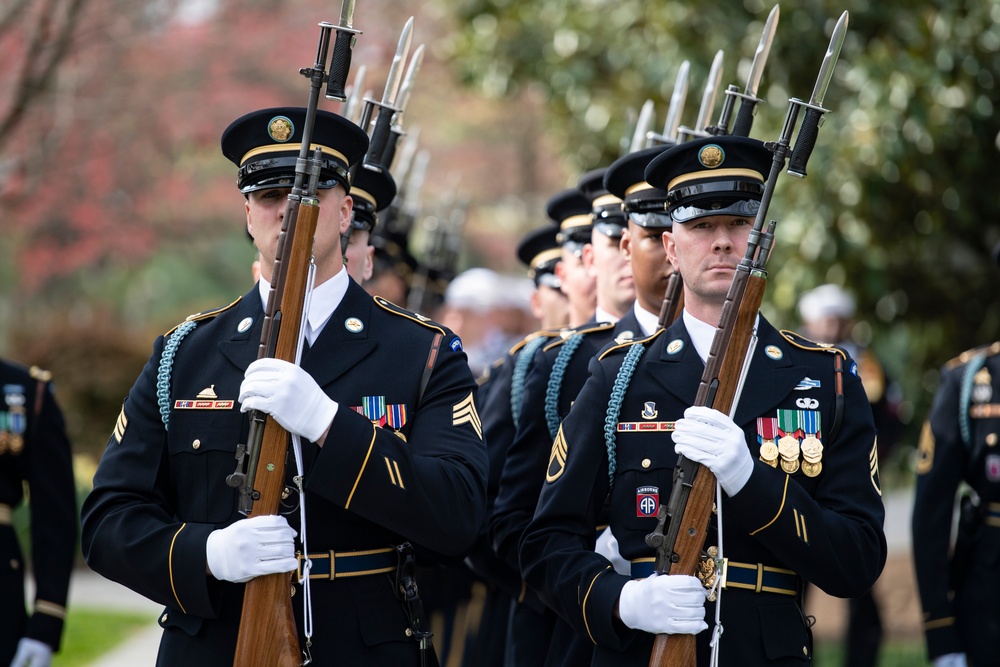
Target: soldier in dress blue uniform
[[959, 583], [372, 191], [797, 464], [385, 405], [34, 449], [602, 257], [540, 252], [559, 370]]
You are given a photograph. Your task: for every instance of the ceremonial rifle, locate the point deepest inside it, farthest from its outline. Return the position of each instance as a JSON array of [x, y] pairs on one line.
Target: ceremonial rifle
[[679, 544], [267, 635]]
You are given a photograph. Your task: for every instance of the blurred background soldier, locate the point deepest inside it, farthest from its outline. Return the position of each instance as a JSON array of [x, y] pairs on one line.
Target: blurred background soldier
[[959, 582], [34, 450], [372, 191], [500, 394], [827, 314]]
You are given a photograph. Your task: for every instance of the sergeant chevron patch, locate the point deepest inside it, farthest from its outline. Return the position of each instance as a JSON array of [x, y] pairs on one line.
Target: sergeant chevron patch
[[120, 427], [557, 459], [464, 412], [873, 465]]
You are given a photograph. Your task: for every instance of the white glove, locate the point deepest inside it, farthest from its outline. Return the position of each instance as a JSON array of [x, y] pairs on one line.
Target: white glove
[[251, 547], [32, 653], [672, 604], [950, 660], [290, 395], [712, 439], [607, 546]]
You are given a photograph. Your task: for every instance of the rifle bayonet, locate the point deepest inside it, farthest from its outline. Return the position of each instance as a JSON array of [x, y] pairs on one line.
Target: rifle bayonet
[[375, 159], [707, 100], [749, 99], [806, 140], [642, 125], [340, 65]]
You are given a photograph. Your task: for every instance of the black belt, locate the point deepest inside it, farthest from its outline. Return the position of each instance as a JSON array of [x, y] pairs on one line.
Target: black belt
[[342, 564], [755, 577]]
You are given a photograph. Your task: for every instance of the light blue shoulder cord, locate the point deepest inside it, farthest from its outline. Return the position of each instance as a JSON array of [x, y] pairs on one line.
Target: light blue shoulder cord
[[554, 387], [520, 373], [965, 396], [166, 366], [615, 405]]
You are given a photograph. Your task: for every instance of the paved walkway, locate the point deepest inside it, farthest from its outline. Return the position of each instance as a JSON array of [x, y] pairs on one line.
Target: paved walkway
[[88, 589]]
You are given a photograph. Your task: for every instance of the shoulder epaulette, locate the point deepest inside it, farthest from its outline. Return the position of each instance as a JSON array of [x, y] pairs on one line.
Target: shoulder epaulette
[[39, 374], [625, 345], [206, 315], [541, 333], [987, 350], [566, 335], [804, 343], [422, 320]]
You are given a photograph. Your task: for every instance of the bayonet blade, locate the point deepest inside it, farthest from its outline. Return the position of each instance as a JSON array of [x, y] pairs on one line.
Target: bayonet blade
[[406, 89], [711, 88], [347, 14], [398, 61], [760, 56], [352, 107], [829, 62], [642, 125], [677, 99]]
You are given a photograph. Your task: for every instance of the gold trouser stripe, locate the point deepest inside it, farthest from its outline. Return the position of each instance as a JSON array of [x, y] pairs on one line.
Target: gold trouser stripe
[[5, 514], [939, 623]]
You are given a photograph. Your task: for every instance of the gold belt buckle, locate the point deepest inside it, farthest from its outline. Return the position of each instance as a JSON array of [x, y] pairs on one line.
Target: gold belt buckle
[[709, 568]]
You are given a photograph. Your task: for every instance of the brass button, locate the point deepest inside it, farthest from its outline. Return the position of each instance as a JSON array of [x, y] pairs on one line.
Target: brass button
[[991, 439], [805, 650], [646, 463], [163, 619], [196, 444]]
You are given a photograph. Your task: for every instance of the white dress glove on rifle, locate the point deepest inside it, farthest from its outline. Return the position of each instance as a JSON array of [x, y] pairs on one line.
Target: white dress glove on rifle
[[290, 395], [672, 604], [950, 660], [32, 653], [251, 547], [712, 439]]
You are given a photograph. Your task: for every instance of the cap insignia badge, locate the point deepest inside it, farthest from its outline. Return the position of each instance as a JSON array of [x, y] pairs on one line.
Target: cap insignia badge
[[280, 129], [711, 156]]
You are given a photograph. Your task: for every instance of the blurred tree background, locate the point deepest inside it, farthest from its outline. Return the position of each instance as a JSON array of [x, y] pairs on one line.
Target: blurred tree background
[[120, 216]]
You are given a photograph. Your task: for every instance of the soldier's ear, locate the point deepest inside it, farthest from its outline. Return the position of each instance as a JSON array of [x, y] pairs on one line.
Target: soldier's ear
[[669, 247]]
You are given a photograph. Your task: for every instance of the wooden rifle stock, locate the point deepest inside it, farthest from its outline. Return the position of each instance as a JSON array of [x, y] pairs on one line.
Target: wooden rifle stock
[[691, 504], [673, 301], [268, 635]]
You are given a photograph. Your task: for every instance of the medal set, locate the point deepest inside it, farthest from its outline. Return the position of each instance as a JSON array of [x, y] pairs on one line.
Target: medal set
[[13, 420], [792, 440]]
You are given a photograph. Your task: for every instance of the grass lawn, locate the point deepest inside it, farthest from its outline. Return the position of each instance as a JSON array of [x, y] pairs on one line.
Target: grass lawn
[[92, 632], [892, 654]]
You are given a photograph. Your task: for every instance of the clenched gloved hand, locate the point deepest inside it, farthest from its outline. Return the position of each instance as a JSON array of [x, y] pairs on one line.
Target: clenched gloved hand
[[712, 439], [32, 653], [672, 604], [290, 395], [251, 547]]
